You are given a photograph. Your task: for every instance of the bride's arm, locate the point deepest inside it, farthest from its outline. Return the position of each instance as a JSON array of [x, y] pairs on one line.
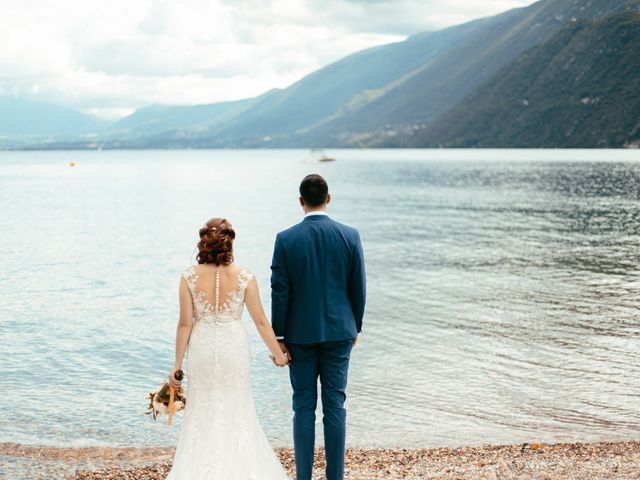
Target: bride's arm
[[254, 305], [183, 330]]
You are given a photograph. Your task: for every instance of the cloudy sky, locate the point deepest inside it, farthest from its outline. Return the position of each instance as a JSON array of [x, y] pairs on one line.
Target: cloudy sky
[[110, 57]]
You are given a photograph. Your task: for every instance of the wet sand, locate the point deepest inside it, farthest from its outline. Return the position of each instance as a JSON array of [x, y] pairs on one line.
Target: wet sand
[[593, 461]]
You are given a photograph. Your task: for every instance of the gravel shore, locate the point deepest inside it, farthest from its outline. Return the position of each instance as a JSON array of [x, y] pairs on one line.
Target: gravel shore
[[592, 461]]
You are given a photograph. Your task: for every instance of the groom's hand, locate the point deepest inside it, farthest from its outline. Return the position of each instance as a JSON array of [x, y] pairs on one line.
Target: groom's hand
[[285, 350], [355, 341]]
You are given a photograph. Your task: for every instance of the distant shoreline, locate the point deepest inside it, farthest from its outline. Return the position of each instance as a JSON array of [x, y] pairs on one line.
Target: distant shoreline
[[595, 461], [71, 148]]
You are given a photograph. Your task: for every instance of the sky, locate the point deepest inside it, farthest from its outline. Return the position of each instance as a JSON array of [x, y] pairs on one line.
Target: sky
[[108, 58]]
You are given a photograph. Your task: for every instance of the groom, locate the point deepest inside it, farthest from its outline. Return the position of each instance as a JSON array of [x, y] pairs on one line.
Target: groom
[[317, 301]]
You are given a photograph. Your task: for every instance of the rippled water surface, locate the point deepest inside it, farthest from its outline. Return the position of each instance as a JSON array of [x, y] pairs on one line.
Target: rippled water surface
[[503, 289]]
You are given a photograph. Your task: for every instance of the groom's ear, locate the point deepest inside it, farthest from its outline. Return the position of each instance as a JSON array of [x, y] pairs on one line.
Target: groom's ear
[[328, 198], [301, 201]]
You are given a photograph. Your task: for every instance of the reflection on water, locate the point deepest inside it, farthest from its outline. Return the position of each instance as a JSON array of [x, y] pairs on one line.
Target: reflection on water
[[503, 293]]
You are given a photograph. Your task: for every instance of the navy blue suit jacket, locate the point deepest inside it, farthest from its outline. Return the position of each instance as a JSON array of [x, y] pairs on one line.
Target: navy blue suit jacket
[[318, 285]]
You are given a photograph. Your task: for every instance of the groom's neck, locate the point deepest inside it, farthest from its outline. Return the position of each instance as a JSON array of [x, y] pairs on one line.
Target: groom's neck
[[321, 208]]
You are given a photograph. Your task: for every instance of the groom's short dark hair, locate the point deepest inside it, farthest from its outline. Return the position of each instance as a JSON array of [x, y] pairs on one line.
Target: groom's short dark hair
[[314, 190]]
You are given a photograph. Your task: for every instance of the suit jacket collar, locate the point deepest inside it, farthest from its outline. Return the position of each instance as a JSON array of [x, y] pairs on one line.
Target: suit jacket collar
[[316, 218]]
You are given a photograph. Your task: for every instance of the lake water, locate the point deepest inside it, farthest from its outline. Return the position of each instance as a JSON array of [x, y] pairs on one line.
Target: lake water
[[503, 289]]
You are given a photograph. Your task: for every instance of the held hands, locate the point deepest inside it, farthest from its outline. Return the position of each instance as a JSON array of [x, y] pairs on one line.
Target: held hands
[[283, 358]]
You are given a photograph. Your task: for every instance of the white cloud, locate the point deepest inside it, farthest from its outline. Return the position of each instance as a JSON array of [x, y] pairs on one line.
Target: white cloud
[[112, 57]]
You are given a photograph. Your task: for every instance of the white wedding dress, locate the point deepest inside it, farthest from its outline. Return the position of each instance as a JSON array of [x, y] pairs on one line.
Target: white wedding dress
[[221, 437]]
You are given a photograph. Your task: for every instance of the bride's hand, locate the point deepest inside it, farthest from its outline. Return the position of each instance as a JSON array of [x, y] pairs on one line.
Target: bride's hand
[[172, 379]]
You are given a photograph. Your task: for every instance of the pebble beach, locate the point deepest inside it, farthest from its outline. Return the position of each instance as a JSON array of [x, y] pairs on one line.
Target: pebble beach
[[565, 461]]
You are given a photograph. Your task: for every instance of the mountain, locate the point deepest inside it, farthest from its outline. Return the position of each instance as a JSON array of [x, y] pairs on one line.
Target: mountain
[[163, 117], [352, 81], [402, 94], [579, 89], [439, 85], [20, 117], [373, 97], [305, 103]]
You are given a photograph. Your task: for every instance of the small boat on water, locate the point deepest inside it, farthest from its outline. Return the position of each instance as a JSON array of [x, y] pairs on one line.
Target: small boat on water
[[320, 156]]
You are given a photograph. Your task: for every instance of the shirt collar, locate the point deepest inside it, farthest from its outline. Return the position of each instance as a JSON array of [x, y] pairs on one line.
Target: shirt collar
[[316, 212]]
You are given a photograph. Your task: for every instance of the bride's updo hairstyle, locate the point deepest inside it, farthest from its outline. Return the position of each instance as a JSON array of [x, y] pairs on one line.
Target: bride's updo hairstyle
[[216, 242]]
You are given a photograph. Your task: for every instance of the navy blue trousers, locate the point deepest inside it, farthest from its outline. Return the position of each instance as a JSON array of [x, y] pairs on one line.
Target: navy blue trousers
[[328, 361]]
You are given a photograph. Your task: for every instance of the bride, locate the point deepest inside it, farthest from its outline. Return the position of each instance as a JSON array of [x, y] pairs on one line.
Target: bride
[[221, 437]]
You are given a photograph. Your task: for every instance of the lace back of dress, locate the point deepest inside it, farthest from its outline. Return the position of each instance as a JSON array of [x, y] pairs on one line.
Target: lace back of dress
[[217, 295]]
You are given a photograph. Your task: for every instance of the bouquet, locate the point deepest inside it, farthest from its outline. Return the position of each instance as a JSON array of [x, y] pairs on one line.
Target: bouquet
[[168, 399]]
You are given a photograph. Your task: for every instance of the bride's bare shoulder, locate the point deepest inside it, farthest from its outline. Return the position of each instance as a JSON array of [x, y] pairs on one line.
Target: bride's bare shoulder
[[189, 270], [242, 270]]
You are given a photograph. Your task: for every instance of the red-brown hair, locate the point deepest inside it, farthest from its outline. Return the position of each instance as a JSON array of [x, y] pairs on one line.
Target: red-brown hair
[[216, 242]]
